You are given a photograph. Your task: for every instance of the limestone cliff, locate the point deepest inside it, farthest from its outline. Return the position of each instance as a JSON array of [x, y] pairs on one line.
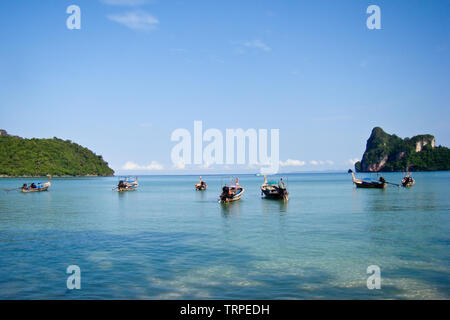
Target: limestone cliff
[[385, 152]]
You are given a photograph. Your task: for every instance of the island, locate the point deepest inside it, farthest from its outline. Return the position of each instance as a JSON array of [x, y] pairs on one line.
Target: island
[[21, 157], [388, 152]]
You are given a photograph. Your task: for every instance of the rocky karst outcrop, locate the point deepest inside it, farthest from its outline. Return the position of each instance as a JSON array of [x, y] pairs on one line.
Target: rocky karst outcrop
[[385, 152]]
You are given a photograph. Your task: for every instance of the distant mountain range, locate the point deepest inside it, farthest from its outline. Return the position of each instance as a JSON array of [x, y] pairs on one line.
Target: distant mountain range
[[386, 152], [41, 157]]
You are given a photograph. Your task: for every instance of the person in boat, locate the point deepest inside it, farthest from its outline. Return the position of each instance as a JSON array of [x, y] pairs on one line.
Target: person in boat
[[25, 186], [382, 180], [281, 184], [227, 193], [237, 181], [202, 183], [33, 186]]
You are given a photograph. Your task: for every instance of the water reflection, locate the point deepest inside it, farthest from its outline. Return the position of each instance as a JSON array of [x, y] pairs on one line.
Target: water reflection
[[200, 195], [230, 209], [270, 206]]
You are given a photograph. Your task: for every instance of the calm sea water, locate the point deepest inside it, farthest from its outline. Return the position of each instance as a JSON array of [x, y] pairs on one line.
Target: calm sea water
[[167, 241]]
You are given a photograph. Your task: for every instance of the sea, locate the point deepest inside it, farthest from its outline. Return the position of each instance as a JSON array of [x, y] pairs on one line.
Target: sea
[[168, 241]]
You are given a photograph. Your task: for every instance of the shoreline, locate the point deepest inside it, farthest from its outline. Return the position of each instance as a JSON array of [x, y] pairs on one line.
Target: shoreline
[[401, 171], [58, 176], [213, 174]]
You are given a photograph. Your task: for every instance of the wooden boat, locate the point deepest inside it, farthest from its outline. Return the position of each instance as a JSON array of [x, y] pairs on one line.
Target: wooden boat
[[408, 181], [36, 187], [368, 183], [201, 185], [274, 190], [127, 184], [231, 193]]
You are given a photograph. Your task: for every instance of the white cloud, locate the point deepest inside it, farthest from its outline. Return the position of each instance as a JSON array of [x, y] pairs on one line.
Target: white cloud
[[292, 163], [258, 165], [257, 44], [129, 3], [321, 162], [133, 166], [139, 20], [180, 165], [352, 161]]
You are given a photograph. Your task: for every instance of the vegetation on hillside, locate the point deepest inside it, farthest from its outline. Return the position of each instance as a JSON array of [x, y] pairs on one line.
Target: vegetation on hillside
[[385, 152], [40, 157]]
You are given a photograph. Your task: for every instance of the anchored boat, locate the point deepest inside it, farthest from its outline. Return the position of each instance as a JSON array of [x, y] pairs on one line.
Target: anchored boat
[[408, 181], [36, 187], [127, 184], [368, 183], [201, 185], [274, 189], [231, 192]]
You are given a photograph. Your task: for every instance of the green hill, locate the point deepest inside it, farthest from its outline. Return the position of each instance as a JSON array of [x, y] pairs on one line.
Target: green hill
[[40, 157], [385, 152]]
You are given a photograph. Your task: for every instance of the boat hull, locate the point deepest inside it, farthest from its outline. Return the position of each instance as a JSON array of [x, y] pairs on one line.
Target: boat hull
[[233, 199], [35, 190], [125, 189], [370, 185], [226, 198], [275, 194]]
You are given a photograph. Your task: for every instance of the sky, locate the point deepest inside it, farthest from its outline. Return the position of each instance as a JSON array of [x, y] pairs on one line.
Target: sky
[[139, 69]]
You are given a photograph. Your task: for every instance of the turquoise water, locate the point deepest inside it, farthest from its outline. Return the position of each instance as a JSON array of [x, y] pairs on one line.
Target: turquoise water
[[167, 241]]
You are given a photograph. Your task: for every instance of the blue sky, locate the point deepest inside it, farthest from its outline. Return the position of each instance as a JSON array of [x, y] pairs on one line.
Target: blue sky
[[137, 70]]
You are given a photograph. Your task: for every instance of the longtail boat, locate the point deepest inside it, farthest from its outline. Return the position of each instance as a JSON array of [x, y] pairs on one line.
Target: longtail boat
[[408, 181], [36, 187], [127, 184], [231, 192], [201, 185], [274, 189], [368, 183]]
